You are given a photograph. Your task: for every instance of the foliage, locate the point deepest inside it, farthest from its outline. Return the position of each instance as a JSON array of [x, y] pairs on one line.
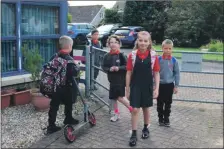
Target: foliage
[[194, 23], [152, 15], [214, 46], [32, 62], [187, 23], [69, 18], [112, 16]]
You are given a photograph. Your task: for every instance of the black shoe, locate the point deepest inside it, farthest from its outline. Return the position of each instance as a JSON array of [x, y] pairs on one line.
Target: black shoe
[[167, 122], [161, 122], [71, 121], [52, 129], [133, 141], [145, 133]]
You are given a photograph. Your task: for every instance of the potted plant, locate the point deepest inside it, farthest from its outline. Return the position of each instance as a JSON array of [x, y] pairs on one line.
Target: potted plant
[[5, 99], [32, 64], [21, 96]]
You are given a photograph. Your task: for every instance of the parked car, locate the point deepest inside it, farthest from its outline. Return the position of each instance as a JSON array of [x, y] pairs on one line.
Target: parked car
[[128, 34], [78, 32], [105, 31]]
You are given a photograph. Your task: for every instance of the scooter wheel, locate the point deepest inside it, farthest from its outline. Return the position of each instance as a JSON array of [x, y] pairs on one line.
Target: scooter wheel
[[92, 119], [68, 133]]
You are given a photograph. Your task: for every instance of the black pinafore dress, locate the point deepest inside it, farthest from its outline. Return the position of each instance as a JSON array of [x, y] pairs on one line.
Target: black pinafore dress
[[141, 86]]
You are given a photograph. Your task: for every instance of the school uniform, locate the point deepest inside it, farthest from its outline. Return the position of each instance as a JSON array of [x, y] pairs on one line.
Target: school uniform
[[141, 85], [116, 78], [66, 95], [169, 78], [96, 44]]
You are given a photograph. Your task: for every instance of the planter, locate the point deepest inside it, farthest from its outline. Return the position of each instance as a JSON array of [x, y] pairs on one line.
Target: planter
[[5, 99], [40, 102], [21, 97]]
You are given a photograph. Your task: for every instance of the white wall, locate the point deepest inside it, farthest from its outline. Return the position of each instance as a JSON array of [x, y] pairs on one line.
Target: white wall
[[100, 15]]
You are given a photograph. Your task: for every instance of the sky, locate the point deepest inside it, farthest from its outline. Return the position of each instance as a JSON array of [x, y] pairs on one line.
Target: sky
[[107, 4]]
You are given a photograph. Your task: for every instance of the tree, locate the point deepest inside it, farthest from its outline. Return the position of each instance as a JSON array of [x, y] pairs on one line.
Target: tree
[[69, 18], [112, 16], [194, 23], [152, 15]]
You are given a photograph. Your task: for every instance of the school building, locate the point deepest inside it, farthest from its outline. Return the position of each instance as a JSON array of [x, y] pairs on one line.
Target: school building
[[36, 23]]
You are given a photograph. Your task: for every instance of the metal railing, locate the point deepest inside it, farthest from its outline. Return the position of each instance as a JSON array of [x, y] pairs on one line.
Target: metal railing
[[195, 86]]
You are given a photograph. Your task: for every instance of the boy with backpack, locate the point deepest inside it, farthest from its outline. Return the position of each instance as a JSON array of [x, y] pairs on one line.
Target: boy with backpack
[[169, 82], [56, 82]]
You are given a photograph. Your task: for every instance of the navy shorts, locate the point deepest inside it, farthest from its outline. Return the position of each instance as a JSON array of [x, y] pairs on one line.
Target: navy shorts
[[116, 91]]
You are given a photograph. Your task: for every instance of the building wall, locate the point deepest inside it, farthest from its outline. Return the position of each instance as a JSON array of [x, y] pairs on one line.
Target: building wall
[[99, 16], [37, 24]]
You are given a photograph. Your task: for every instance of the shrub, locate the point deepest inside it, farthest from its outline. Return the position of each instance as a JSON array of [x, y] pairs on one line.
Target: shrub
[[214, 46]]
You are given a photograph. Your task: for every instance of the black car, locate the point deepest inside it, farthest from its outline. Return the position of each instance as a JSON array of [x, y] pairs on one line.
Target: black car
[[105, 31]]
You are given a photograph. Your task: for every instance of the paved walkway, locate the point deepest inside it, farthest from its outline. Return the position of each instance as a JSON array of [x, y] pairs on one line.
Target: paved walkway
[[192, 125]]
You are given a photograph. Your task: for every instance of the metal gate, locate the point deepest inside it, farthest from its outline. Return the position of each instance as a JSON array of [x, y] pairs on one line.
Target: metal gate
[[200, 81]]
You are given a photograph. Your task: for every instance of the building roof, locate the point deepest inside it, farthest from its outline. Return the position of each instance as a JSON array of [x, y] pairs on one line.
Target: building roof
[[85, 14]]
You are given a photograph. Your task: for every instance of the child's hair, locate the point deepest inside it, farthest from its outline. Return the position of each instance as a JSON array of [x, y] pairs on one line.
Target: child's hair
[[150, 40], [167, 41], [115, 37], [65, 41], [94, 31]]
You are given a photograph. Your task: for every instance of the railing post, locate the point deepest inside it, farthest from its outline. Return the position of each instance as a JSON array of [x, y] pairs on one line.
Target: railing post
[[92, 59], [87, 71]]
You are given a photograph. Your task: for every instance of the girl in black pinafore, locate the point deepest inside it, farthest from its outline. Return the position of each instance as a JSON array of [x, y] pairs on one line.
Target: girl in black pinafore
[[142, 66]]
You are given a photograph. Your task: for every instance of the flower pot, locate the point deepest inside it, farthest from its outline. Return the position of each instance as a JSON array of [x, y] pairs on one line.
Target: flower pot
[[21, 98], [40, 102], [5, 99]]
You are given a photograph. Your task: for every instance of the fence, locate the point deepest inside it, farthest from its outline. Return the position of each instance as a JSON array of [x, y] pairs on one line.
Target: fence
[[201, 76]]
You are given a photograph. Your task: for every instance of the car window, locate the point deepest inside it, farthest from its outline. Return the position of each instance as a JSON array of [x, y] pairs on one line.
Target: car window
[[90, 26], [105, 28], [122, 31], [78, 26], [69, 27], [83, 26]]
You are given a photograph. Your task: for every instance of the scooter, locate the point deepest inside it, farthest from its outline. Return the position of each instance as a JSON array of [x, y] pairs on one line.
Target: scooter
[[69, 130]]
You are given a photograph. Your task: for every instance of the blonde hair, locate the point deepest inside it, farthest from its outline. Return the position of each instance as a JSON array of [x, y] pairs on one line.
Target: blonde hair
[[167, 41], [64, 41], [143, 33]]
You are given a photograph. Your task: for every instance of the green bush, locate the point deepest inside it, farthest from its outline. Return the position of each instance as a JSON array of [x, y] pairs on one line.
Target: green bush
[[32, 62], [214, 46]]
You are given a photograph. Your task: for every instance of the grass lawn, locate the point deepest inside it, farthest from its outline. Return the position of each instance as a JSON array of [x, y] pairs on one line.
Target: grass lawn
[[205, 56]]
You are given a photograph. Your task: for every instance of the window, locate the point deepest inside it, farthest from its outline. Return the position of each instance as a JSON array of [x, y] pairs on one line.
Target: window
[[122, 31], [39, 20], [91, 27], [47, 47], [69, 27], [8, 56], [105, 28], [83, 26], [8, 20]]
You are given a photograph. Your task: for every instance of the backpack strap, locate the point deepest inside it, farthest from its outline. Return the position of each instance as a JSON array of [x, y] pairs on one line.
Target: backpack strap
[[133, 57], [173, 60], [160, 58], [153, 58], [122, 57]]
